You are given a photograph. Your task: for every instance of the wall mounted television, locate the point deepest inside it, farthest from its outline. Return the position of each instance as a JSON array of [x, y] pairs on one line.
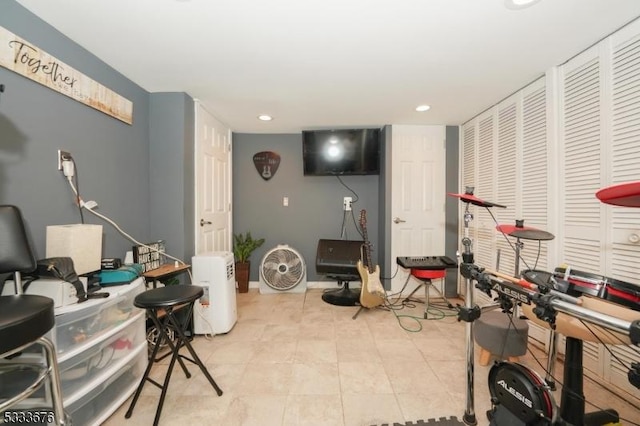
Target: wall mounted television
[[341, 152]]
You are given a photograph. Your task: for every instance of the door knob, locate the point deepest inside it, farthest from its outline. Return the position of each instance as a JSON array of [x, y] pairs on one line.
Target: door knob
[[398, 220], [204, 222]]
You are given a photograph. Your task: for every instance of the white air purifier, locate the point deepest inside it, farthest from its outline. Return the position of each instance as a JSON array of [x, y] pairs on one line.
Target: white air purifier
[[216, 311]]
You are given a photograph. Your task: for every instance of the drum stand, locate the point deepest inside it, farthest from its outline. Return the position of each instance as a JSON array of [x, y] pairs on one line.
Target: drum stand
[[468, 313], [553, 345], [572, 404]]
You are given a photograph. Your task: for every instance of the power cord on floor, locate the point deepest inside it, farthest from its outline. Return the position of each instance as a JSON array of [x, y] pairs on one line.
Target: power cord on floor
[[437, 312]]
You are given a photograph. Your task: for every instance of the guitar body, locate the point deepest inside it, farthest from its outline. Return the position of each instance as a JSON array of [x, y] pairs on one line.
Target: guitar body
[[372, 291]]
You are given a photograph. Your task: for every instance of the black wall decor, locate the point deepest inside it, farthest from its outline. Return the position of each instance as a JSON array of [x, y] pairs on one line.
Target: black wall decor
[[267, 163], [150, 256]]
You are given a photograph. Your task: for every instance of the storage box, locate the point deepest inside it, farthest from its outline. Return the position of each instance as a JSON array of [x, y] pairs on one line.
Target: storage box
[[96, 405], [81, 242], [76, 325], [78, 368]]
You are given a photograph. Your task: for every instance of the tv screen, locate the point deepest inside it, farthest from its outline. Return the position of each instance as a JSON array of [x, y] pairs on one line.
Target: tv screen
[[341, 152]]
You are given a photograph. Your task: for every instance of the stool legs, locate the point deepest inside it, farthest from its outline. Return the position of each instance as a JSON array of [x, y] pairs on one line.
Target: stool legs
[[181, 341], [427, 283], [485, 357], [196, 360], [54, 380]]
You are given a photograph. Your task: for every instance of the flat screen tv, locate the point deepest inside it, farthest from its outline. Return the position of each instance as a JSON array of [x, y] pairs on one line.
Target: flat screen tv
[[341, 152]]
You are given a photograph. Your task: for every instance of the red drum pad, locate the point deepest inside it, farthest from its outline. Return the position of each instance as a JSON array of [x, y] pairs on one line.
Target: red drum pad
[[579, 283], [625, 195], [472, 199], [623, 294]]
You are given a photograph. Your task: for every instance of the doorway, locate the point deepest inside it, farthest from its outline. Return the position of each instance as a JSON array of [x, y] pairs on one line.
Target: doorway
[[213, 183]]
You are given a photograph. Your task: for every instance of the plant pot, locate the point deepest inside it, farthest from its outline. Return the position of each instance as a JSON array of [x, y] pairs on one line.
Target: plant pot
[[242, 276]]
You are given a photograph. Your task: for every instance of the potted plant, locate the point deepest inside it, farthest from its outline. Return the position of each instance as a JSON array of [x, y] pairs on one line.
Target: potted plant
[[243, 246]]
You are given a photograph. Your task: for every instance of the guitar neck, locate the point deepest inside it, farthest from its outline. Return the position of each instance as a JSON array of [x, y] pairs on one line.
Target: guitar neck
[[367, 244], [367, 252]]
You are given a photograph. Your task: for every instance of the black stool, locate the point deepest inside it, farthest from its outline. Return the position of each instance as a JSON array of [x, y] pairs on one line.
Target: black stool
[[161, 305]]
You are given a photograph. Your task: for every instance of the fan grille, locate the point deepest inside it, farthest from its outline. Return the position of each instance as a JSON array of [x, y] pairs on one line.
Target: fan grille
[[282, 269]]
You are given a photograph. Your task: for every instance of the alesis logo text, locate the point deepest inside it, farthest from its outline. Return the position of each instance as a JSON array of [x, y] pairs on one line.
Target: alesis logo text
[[500, 288], [520, 397]]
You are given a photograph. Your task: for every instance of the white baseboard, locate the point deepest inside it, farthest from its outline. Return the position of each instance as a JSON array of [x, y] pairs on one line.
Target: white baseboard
[[332, 284], [310, 284]]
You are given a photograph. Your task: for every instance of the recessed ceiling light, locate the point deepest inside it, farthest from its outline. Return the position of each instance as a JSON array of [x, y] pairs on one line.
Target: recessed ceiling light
[[519, 4], [265, 117], [423, 108]]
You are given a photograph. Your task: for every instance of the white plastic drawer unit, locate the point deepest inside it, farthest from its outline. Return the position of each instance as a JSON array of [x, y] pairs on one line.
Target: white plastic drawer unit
[[76, 371], [80, 367], [77, 325], [107, 394]]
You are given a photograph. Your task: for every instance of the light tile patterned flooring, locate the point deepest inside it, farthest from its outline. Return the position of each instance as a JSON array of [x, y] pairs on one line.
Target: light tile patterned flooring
[[293, 359]]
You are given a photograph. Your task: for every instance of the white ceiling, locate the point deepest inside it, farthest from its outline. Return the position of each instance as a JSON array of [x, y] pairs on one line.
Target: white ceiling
[[335, 63]]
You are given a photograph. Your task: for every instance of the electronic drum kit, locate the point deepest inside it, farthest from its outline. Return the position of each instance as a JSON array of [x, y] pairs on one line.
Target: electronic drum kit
[[579, 305]]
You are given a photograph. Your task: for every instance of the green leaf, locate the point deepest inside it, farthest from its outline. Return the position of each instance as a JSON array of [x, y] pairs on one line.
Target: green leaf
[[244, 245]]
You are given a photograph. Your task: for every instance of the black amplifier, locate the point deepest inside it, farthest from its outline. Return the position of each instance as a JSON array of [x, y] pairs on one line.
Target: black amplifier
[[338, 257]]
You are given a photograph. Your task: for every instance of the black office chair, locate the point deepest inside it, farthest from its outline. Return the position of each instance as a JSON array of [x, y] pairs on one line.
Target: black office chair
[[24, 321]]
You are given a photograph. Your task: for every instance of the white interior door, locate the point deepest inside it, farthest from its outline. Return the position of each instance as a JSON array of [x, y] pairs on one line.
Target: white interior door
[[213, 183], [417, 194]]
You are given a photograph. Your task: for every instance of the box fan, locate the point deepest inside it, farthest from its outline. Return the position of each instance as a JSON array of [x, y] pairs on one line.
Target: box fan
[[283, 270]]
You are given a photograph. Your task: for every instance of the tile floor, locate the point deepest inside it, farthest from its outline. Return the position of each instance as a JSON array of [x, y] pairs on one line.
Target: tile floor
[[293, 359]]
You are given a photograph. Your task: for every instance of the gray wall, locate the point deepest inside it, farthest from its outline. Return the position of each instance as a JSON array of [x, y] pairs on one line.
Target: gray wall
[[171, 175], [115, 161], [387, 265], [315, 202]]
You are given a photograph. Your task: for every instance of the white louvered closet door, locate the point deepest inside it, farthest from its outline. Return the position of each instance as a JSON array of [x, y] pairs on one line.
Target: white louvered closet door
[[625, 158], [534, 184], [484, 189], [581, 176], [624, 166], [477, 165], [506, 183], [483, 225], [535, 171]]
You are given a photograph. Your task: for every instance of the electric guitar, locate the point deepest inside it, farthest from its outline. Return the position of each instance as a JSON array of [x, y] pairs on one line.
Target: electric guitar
[[372, 292]]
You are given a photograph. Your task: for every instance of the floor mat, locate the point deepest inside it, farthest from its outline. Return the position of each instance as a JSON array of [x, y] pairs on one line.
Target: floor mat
[[442, 421]]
